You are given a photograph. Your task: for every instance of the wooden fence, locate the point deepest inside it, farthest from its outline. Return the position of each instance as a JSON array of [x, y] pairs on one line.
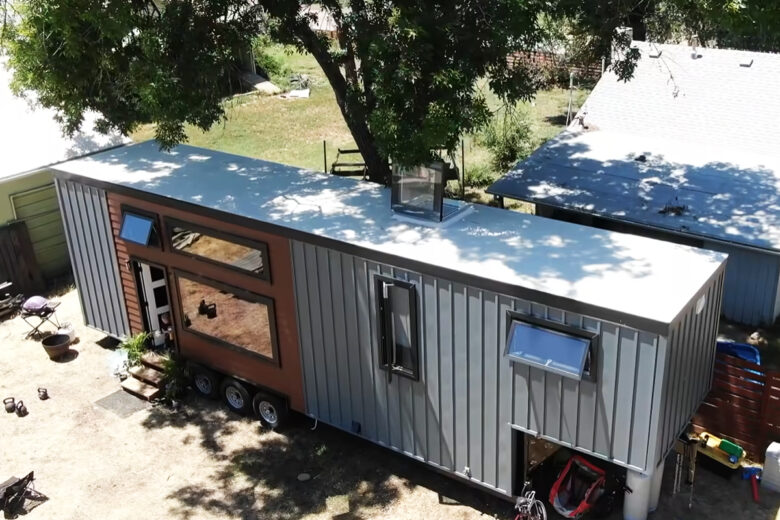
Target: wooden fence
[[743, 405], [17, 260]]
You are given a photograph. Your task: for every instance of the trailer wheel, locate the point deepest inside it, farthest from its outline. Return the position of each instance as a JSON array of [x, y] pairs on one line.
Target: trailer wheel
[[205, 381], [271, 410], [236, 395]]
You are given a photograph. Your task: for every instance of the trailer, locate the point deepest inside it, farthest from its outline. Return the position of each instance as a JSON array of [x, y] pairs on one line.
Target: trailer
[[454, 340]]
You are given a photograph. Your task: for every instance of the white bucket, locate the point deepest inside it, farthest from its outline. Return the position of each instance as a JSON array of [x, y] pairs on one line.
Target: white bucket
[[67, 330]]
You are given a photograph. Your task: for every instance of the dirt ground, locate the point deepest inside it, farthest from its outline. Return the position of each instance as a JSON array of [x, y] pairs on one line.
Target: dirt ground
[[98, 453]]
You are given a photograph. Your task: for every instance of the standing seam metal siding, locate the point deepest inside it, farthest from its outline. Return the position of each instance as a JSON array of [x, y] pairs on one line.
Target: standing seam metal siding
[[90, 242], [690, 363], [469, 398], [750, 294]]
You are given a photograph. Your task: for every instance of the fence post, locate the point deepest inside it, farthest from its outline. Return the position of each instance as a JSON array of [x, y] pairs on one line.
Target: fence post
[[324, 156]]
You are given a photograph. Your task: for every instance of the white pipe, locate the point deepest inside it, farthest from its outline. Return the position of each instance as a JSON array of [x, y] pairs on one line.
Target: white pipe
[[637, 503], [655, 490]]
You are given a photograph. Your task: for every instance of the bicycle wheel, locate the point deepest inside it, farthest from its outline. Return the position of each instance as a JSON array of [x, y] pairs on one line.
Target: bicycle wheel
[[538, 511]]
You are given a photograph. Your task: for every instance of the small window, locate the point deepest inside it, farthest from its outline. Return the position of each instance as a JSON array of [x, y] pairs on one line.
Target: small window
[[139, 229], [247, 256], [549, 346], [398, 345], [228, 315]]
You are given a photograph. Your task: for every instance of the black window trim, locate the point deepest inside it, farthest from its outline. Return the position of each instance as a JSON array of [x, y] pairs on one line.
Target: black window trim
[[384, 317], [155, 218], [261, 246], [243, 293], [555, 326], [398, 206]]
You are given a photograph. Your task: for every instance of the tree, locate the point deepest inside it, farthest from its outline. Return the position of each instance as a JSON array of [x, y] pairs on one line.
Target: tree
[[403, 71]]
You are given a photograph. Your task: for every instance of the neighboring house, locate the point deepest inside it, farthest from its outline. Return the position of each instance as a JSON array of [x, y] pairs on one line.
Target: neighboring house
[[686, 151], [30, 140]]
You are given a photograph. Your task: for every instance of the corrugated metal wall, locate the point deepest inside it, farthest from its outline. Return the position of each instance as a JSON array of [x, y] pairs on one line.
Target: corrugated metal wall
[[91, 245], [750, 294], [39, 208], [691, 356], [469, 397]]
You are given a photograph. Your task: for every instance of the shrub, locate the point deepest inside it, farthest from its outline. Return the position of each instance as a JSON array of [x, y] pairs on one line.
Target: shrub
[[509, 136], [135, 346], [480, 176], [269, 57]]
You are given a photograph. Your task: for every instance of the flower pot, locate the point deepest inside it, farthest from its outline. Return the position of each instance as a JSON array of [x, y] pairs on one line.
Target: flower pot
[[56, 345]]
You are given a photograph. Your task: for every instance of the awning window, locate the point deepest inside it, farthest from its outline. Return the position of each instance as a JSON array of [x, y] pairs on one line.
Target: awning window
[[551, 350], [138, 229]]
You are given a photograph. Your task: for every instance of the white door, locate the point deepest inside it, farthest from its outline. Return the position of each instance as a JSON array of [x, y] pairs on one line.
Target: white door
[[155, 293]]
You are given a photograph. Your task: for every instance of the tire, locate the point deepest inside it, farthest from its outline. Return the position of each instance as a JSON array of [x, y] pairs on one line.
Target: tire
[[272, 411], [236, 395], [538, 511], [205, 382]]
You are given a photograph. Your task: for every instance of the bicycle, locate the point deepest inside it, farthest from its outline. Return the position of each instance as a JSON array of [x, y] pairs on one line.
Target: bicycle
[[528, 507]]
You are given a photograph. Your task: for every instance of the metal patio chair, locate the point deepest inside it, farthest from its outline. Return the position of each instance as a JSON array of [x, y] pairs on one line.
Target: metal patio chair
[[36, 312]]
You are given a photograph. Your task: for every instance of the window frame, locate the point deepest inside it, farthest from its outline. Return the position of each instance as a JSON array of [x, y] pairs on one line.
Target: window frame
[[384, 317], [555, 326], [397, 205], [258, 245], [244, 294], [155, 231]]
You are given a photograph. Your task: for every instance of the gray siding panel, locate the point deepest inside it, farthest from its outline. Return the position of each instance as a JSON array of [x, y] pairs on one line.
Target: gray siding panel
[[687, 373], [469, 398], [93, 257], [751, 293]]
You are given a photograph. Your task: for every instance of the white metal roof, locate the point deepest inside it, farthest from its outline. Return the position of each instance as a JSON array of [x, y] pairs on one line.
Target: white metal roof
[[634, 275], [707, 129], [30, 138]]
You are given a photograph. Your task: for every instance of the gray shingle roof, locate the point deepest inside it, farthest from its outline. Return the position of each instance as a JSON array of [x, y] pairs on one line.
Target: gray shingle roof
[[711, 99]]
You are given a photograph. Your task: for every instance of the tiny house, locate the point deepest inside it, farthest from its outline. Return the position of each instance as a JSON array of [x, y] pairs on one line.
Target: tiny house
[[449, 340]]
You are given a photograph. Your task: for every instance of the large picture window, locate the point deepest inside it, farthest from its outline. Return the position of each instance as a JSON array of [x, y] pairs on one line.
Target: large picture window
[[247, 256], [551, 346], [397, 304], [233, 317]]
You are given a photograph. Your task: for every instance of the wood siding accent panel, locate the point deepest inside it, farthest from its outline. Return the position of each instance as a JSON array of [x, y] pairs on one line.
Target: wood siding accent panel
[[284, 377]]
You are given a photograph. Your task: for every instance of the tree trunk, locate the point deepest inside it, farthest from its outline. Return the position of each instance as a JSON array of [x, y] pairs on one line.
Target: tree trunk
[[354, 113]]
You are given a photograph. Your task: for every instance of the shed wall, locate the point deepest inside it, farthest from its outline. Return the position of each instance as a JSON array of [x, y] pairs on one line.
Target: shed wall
[[751, 294], [689, 360], [469, 397], [33, 199], [93, 257]]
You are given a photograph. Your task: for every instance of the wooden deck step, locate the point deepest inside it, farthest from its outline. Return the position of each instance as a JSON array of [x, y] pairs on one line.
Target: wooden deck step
[[154, 360], [140, 389], [148, 375]]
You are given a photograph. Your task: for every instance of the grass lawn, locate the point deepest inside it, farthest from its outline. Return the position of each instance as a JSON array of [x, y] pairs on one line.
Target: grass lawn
[[292, 131]]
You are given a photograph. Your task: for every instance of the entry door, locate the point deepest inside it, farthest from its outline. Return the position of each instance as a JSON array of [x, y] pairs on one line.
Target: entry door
[[155, 294]]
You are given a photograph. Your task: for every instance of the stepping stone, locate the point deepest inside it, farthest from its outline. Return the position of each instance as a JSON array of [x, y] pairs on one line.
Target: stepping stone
[[140, 389], [148, 375]]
